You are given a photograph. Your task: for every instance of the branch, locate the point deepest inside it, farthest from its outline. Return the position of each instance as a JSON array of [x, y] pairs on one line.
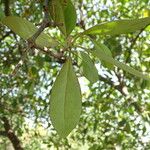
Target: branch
[[11, 135], [120, 89], [7, 9], [45, 23], [49, 52], [133, 42], [81, 21], [111, 83], [5, 106]]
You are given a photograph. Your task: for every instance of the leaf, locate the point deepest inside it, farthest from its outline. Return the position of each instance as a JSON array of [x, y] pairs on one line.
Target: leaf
[[57, 14], [63, 12], [118, 27], [2, 15], [98, 52], [65, 102], [88, 68], [107, 51], [70, 17], [26, 29]]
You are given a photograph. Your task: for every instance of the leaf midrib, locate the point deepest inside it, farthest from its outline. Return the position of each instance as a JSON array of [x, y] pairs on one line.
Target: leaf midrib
[[68, 66]]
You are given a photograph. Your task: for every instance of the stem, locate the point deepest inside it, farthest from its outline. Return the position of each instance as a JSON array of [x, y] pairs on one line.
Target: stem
[[76, 37], [7, 9]]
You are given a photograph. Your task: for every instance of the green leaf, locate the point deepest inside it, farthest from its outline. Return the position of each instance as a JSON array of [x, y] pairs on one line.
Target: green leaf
[[57, 14], [70, 17], [63, 12], [98, 52], [65, 102], [107, 51], [26, 29], [118, 27], [88, 68], [2, 15]]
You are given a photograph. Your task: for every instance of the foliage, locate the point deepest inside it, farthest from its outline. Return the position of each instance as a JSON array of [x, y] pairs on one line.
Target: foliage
[[103, 41]]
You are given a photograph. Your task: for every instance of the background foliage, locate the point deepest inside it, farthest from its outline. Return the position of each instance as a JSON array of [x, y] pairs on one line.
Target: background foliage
[[115, 110]]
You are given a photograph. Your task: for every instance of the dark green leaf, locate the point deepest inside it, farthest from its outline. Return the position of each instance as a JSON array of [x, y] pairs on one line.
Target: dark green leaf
[[2, 15], [65, 102]]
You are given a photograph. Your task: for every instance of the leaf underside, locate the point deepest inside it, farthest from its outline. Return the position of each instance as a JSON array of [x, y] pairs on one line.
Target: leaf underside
[[107, 52], [88, 68], [118, 27], [26, 29], [65, 101], [64, 14], [98, 52]]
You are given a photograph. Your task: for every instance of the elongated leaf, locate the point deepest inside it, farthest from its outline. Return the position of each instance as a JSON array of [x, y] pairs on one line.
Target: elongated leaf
[[118, 27], [98, 52], [26, 29], [2, 14], [107, 52], [57, 14], [65, 102], [63, 12], [70, 17], [88, 68]]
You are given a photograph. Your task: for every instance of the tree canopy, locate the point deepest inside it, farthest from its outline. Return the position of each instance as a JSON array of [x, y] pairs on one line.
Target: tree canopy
[[74, 74]]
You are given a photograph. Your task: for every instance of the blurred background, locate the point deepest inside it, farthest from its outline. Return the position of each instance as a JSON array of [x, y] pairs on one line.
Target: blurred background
[[115, 110]]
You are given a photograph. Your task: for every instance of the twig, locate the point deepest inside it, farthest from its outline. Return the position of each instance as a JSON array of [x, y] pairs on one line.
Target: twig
[[111, 83], [3, 107], [31, 43], [133, 42], [49, 52], [44, 24]]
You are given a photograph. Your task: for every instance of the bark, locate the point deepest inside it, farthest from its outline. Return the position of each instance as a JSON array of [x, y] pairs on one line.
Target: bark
[[7, 9], [11, 135]]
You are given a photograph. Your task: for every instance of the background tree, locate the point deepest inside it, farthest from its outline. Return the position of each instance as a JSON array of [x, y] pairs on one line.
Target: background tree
[[115, 104]]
